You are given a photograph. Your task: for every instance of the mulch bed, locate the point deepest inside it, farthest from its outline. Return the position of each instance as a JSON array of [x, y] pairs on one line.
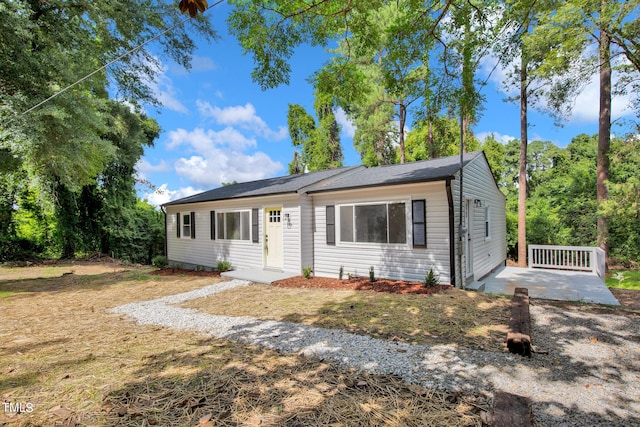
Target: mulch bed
[[362, 284]]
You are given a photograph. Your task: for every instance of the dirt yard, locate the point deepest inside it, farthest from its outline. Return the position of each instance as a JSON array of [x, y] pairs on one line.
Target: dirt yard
[[65, 359]]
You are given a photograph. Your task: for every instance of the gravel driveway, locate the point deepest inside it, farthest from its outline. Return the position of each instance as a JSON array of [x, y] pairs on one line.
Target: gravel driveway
[[591, 375]]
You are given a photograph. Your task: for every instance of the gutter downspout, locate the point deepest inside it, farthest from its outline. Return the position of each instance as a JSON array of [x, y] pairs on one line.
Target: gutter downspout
[[166, 243], [461, 230], [452, 235]]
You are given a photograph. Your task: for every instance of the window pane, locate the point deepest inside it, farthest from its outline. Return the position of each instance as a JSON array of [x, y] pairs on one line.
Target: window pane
[[346, 223], [246, 226], [397, 223], [232, 225], [371, 223], [186, 225], [419, 235], [220, 225]]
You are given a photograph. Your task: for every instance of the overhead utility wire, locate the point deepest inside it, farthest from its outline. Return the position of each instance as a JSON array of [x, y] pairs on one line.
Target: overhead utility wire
[[129, 52]]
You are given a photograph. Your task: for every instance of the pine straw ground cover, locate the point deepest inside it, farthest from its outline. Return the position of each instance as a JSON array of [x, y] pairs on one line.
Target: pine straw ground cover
[[67, 360], [450, 315]]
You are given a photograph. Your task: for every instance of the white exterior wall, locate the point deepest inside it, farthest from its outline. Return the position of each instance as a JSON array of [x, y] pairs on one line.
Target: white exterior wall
[[488, 253], [389, 260], [306, 227], [241, 253]]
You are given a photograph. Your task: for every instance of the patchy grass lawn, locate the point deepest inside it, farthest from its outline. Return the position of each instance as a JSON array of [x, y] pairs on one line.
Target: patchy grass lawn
[[624, 279], [69, 361], [469, 319]]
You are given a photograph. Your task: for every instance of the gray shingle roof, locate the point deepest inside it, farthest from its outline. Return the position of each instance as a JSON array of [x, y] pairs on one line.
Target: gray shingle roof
[[337, 179], [264, 187], [422, 171]]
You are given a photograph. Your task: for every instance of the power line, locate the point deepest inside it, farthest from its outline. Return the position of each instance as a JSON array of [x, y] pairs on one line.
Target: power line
[[129, 52]]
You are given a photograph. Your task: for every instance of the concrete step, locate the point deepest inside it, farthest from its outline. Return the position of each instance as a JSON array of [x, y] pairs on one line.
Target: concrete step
[[476, 286]]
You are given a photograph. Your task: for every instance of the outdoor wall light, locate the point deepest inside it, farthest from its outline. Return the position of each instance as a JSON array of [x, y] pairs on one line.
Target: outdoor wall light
[[477, 203], [287, 218]]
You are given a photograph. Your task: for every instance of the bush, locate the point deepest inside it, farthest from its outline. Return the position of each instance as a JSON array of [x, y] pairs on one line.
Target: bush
[[341, 272], [431, 279], [160, 261], [372, 274], [306, 272], [223, 266]]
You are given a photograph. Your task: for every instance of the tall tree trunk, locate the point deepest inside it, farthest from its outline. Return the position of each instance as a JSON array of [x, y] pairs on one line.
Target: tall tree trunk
[[604, 138], [430, 141], [522, 179], [402, 110]]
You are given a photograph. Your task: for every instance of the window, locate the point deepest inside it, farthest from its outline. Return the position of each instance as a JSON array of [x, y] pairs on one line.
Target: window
[[419, 221], [235, 225], [487, 223], [186, 225], [379, 223]]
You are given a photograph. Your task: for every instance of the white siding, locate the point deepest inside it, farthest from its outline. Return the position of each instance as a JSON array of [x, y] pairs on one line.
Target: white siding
[[291, 239], [242, 254], [389, 261], [306, 227], [479, 185]]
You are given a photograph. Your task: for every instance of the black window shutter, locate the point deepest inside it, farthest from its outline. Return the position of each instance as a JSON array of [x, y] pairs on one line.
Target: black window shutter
[[419, 220], [213, 225], [193, 225], [178, 223], [254, 225], [331, 225]]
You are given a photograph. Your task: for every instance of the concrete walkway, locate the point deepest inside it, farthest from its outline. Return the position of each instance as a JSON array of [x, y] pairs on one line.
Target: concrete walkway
[[258, 275], [548, 284]]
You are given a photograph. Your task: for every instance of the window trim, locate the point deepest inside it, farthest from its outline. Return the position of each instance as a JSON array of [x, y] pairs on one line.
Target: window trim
[[222, 236], [422, 221], [181, 225], [338, 222]]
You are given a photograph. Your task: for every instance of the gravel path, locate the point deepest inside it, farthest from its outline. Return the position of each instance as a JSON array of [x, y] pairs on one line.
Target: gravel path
[[591, 375]]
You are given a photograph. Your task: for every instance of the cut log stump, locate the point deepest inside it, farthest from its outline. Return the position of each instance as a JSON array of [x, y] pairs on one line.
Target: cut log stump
[[510, 410], [519, 335]]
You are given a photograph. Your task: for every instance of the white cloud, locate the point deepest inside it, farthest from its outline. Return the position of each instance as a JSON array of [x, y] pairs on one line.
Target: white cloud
[[199, 64], [347, 127], [144, 166], [502, 139], [586, 107], [162, 86], [220, 157], [163, 195], [244, 116]]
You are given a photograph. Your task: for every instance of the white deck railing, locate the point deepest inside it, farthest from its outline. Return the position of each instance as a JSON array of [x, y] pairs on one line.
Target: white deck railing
[[579, 258]]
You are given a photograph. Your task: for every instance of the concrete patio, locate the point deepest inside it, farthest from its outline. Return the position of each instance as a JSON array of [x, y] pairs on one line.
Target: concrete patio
[[548, 284], [258, 275]]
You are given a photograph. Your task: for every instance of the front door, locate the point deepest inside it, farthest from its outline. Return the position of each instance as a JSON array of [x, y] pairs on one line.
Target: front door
[[469, 240], [273, 238]]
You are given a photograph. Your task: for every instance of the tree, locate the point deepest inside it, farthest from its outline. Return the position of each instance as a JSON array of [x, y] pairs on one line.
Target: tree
[[317, 147], [570, 32]]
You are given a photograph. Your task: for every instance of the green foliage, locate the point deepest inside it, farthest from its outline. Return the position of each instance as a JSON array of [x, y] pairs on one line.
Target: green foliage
[[341, 272], [624, 279], [223, 266], [372, 274], [306, 272], [317, 147], [160, 261], [431, 279]]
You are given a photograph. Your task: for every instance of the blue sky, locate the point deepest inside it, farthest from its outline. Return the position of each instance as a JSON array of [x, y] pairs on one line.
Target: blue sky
[[219, 126]]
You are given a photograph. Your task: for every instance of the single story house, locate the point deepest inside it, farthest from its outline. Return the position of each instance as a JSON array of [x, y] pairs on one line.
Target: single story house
[[401, 219]]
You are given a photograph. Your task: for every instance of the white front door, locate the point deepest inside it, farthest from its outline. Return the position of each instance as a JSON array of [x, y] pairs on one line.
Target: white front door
[[273, 238], [469, 241]]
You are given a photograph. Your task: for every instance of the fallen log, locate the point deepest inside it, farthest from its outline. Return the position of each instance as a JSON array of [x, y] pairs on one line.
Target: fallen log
[[519, 334]]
